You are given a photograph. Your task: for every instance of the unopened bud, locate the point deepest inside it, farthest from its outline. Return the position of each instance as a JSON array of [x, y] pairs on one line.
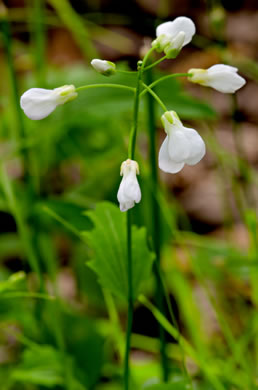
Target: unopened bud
[[107, 68]]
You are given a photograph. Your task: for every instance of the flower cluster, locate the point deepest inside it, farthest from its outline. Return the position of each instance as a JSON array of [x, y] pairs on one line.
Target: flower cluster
[[172, 36], [182, 145]]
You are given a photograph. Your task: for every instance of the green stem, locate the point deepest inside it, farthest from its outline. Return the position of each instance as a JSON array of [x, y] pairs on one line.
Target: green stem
[[156, 221], [131, 152], [130, 302], [133, 135], [162, 105], [155, 63], [169, 76], [120, 86], [24, 294], [131, 72], [144, 61]]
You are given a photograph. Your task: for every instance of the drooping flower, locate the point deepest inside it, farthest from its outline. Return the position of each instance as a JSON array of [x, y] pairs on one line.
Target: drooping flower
[[172, 36], [38, 103], [107, 68], [129, 191], [181, 146], [223, 78]]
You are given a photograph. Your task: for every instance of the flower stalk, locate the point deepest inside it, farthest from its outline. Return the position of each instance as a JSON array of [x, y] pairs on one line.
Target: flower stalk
[[131, 153], [130, 301], [156, 226]]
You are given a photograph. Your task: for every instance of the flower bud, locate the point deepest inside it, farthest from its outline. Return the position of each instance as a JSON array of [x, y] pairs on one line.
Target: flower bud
[[172, 36], [38, 103], [107, 68], [174, 47], [129, 191], [223, 78]]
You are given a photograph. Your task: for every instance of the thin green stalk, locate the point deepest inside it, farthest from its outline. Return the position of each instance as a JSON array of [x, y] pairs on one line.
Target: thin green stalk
[[144, 61], [155, 63], [130, 303], [131, 152], [131, 72], [169, 76], [24, 294], [133, 135], [21, 224], [120, 86], [156, 221], [159, 101]]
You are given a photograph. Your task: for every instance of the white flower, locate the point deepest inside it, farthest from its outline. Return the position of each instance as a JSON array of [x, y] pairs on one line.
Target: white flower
[[38, 103], [107, 68], [172, 36], [181, 146], [223, 78], [129, 191]]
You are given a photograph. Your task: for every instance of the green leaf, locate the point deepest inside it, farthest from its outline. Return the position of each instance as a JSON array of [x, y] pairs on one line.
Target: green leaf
[[182, 385], [41, 365], [108, 241], [12, 281]]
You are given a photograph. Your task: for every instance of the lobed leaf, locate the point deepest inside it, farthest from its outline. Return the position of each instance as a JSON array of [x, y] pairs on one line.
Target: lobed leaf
[[108, 241]]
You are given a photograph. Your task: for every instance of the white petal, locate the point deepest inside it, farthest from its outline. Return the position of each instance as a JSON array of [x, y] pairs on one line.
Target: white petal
[[124, 206], [129, 191], [196, 144], [100, 65], [178, 146], [224, 78], [38, 103], [222, 67], [131, 187], [179, 24], [165, 162]]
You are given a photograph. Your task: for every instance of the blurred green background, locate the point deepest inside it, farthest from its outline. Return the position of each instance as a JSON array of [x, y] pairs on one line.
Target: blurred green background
[[54, 170]]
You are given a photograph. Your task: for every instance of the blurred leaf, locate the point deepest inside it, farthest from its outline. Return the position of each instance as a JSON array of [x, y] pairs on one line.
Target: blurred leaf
[[75, 24], [12, 281], [41, 365], [108, 241], [10, 245], [62, 210], [168, 386], [86, 346]]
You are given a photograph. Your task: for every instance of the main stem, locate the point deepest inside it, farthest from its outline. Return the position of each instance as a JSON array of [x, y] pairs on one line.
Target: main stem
[[131, 152], [130, 301], [156, 220]]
